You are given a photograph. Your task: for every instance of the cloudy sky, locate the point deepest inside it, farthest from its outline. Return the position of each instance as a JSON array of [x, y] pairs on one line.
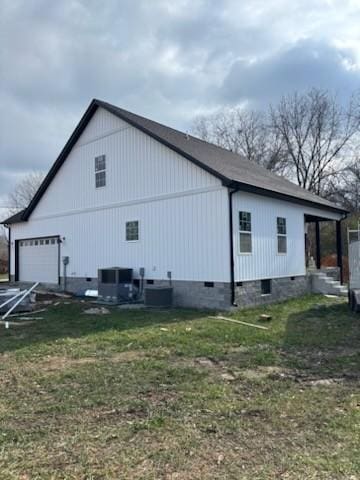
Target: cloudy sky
[[167, 59]]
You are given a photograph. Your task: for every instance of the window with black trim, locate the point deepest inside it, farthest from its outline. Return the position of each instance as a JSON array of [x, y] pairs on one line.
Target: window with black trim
[[100, 171], [245, 232], [281, 235], [132, 231]]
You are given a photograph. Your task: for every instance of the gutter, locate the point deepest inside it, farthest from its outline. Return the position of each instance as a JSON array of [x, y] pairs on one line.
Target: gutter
[[231, 238], [9, 250]]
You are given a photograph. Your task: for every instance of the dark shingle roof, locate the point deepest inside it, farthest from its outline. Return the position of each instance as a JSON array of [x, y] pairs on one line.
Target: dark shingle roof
[[16, 218], [233, 170], [225, 164]]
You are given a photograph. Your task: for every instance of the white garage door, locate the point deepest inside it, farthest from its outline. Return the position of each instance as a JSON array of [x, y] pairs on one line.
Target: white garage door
[[39, 260]]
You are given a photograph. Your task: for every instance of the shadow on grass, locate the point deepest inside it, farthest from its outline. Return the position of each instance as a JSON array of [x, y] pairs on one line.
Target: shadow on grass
[[69, 322], [323, 341]]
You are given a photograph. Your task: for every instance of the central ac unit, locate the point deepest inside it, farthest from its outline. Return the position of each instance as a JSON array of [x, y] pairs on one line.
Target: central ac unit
[[115, 284]]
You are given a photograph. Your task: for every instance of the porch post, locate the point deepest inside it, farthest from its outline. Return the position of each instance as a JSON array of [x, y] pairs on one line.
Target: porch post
[[318, 251], [339, 250]]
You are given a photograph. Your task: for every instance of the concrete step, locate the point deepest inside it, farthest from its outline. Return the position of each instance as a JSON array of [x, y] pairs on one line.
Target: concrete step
[[321, 283]]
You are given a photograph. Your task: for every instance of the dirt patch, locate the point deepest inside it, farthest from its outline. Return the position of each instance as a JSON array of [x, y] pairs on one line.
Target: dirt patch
[[61, 363], [265, 372], [128, 356]]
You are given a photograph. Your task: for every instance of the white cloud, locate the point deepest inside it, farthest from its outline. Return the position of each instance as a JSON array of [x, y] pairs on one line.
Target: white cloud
[[164, 59]]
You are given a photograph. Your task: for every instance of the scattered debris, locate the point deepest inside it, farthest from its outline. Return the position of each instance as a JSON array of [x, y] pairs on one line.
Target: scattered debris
[[28, 313], [91, 293], [220, 458], [328, 295], [188, 329], [30, 318], [163, 329], [265, 317], [8, 297], [97, 311], [8, 324], [228, 377], [240, 322], [206, 362], [20, 297]]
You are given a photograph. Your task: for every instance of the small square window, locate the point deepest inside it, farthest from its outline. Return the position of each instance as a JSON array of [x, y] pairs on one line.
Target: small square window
[[132, 231], [53, 241], [265, 287], [47, 241]]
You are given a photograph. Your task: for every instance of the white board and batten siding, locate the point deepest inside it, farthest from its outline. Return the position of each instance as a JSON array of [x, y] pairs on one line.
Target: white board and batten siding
[[179, 206], [354, 265], [264, 261]]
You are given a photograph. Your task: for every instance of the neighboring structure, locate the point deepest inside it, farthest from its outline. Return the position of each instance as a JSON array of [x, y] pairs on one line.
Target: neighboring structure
[[127, 191]]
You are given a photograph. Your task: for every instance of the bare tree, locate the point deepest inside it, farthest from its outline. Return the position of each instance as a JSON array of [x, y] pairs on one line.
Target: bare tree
[[345, 188], [245, 132], [24, 191], [318, 133]]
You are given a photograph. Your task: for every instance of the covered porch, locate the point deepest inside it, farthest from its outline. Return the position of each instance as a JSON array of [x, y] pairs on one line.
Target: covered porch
[[314, 246]]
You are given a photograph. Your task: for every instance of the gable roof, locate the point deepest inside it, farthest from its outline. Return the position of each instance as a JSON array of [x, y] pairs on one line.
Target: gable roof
[[232, 169]]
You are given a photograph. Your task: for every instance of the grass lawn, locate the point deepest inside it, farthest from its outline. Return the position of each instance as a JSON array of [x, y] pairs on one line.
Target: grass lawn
[[176, 395]]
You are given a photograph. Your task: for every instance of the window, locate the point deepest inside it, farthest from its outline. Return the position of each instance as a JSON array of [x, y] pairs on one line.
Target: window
[[265, 287], [132, 231], [245, 232], [281, 235], [100, 171], [208, 284]]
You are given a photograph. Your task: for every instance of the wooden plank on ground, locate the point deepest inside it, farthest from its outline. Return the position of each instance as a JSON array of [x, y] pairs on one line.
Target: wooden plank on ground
[[240, 322]]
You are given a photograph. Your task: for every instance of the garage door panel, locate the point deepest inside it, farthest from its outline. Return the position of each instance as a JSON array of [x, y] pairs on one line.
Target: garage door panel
[[39, 260]]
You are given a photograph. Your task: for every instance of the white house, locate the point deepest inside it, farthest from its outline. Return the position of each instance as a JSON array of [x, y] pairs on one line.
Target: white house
[[127, 191]]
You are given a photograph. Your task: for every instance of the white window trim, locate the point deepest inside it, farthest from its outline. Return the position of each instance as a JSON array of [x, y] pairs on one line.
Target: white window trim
[[138, 239], [246, 232], [281, 254], [100, 171]]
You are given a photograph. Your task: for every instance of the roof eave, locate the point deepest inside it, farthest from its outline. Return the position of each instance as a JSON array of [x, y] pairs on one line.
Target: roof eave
[[282, 196]]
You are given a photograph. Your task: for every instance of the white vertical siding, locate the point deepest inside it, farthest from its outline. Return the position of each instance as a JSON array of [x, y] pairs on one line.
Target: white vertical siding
[[186, 235], [264, 261], [137, 167], [182, 209]]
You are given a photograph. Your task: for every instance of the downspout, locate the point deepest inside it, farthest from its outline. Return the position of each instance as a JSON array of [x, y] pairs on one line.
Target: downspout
[[231, 238], [9, 251], [339, 247]]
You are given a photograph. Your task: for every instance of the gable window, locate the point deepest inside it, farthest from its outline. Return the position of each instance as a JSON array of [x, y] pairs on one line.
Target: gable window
[[132, 231], [281, 235], [100, 171], [245, 232]]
